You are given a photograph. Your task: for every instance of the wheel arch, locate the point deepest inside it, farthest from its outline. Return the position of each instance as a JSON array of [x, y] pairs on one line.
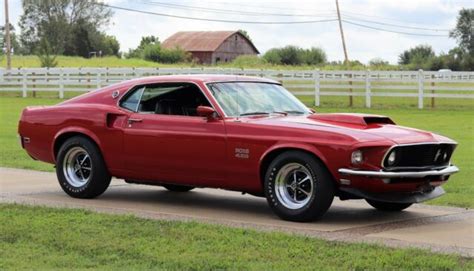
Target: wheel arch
[[69, 132], [273, 152]]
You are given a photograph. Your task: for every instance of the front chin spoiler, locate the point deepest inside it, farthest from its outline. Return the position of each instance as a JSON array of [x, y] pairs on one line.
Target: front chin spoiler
[[396, 197]]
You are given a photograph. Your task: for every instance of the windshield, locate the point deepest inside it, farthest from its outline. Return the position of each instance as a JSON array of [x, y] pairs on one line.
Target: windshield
[[251, 98]]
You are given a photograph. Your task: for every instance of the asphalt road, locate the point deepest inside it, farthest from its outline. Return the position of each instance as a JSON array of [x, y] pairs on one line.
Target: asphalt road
[[440, 229]]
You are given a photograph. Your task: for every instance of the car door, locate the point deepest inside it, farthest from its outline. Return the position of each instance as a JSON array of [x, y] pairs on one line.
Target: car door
[[167, 145]]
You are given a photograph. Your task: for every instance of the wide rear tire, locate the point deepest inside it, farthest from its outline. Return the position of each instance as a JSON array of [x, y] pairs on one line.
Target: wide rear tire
[[298, 187], [80, 168], [388, 206]]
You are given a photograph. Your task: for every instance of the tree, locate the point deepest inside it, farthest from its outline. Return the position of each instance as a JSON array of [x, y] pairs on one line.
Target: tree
[[463, 56], [64, 24], [45, 55], [314, 56], [417, 55], [272, 56], [111, 46], [245, 34], [291, 55], [145, 41], [464, 31]]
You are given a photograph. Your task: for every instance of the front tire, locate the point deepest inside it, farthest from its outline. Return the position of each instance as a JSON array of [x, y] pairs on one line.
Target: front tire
[[388, 206], [298, 187], [80, 168]]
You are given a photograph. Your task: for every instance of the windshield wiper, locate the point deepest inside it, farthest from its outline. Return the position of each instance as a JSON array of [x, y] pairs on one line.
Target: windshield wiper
[[293, 112], [254, 113], [286, 112], [280, 112]]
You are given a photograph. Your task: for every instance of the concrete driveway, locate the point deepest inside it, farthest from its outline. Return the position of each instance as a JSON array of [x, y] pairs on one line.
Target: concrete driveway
[[440, 229]]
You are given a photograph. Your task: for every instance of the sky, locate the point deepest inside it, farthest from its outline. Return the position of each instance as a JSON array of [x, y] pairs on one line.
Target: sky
[[362, 44]]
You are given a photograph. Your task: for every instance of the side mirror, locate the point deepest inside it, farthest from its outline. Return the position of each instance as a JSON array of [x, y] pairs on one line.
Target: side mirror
[[206, 111]]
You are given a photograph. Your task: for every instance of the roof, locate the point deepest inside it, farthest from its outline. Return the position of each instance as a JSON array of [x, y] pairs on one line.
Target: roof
[[201, 41], [205, 78]]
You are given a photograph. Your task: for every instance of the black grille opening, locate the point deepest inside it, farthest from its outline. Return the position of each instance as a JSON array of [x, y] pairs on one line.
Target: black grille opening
[[420, 156]]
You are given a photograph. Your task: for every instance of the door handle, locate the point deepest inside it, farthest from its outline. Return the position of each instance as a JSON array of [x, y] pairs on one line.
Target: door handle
[[131, 120]]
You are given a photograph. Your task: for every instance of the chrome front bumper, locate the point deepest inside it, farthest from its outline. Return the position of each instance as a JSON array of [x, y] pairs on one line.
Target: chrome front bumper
[[401, 174]]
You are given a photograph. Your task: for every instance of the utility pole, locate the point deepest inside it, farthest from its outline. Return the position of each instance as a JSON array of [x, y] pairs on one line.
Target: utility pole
[[346, 58], [7, 37]]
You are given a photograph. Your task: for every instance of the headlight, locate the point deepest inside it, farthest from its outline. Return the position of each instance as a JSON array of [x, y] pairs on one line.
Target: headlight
[[392, 158], [357, 157]]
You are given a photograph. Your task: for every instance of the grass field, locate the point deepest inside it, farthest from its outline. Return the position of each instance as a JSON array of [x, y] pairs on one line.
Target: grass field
[[32, 61], [37, 238], [456, 123]]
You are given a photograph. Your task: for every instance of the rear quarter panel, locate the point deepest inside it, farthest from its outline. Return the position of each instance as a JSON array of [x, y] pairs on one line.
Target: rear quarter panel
[[44, 125]]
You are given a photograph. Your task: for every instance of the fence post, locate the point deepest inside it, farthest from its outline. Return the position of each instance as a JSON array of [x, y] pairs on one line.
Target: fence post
[[23, 74], [99, 82], [367, 89], [2, 77], [351, 98], [420, 88], [317, 87], [61, 83], [432, 90]]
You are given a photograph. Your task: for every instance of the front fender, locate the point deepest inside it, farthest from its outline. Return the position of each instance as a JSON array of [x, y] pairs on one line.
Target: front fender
[[299, 146]]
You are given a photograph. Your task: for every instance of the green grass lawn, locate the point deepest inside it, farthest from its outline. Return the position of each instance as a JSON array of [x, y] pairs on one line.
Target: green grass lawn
[[454, 122], [48, 238], [32, 61]]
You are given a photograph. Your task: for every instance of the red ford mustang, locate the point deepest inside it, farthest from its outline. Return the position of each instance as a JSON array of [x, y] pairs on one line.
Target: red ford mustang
[[237, 133]]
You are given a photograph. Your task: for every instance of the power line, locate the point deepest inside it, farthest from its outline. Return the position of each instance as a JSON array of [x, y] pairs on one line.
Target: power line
[[268, 22], [215, 20], [396, 25], [393, 31], [267, 6], [384, 18], [231, 11], [250, 13]]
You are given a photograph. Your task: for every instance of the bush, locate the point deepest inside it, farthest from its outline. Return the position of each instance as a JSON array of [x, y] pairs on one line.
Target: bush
[[294, 55], [314, 56], [151, 52], [154, 52], [272, 56], [46, 58], [377, 62], [173, 55]]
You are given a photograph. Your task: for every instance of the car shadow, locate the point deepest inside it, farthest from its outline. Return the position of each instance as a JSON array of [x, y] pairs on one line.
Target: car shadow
[[236, 205]]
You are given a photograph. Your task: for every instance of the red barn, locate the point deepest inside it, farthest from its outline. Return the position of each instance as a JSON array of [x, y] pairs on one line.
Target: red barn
[[211, 47]]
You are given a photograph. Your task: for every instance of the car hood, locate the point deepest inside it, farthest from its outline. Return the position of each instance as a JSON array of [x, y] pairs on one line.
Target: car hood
[[361, 127]]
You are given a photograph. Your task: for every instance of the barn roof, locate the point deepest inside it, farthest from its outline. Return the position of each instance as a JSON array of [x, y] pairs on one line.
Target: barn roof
[[201, 41]]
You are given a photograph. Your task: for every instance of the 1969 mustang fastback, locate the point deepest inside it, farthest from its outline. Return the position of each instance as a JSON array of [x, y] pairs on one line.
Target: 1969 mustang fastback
[[238, 133]]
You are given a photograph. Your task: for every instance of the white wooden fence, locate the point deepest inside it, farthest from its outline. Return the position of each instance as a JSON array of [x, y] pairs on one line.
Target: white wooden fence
[[368, 84]]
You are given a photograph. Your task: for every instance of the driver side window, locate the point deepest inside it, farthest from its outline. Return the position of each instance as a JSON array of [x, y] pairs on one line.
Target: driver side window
[[181, 99]]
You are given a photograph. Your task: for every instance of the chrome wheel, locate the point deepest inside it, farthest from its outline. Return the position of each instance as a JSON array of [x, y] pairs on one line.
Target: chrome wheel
[[294, 185], [77, 166]]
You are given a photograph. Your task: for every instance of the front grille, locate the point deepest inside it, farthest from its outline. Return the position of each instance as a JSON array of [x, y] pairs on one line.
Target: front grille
[[420, 156]]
